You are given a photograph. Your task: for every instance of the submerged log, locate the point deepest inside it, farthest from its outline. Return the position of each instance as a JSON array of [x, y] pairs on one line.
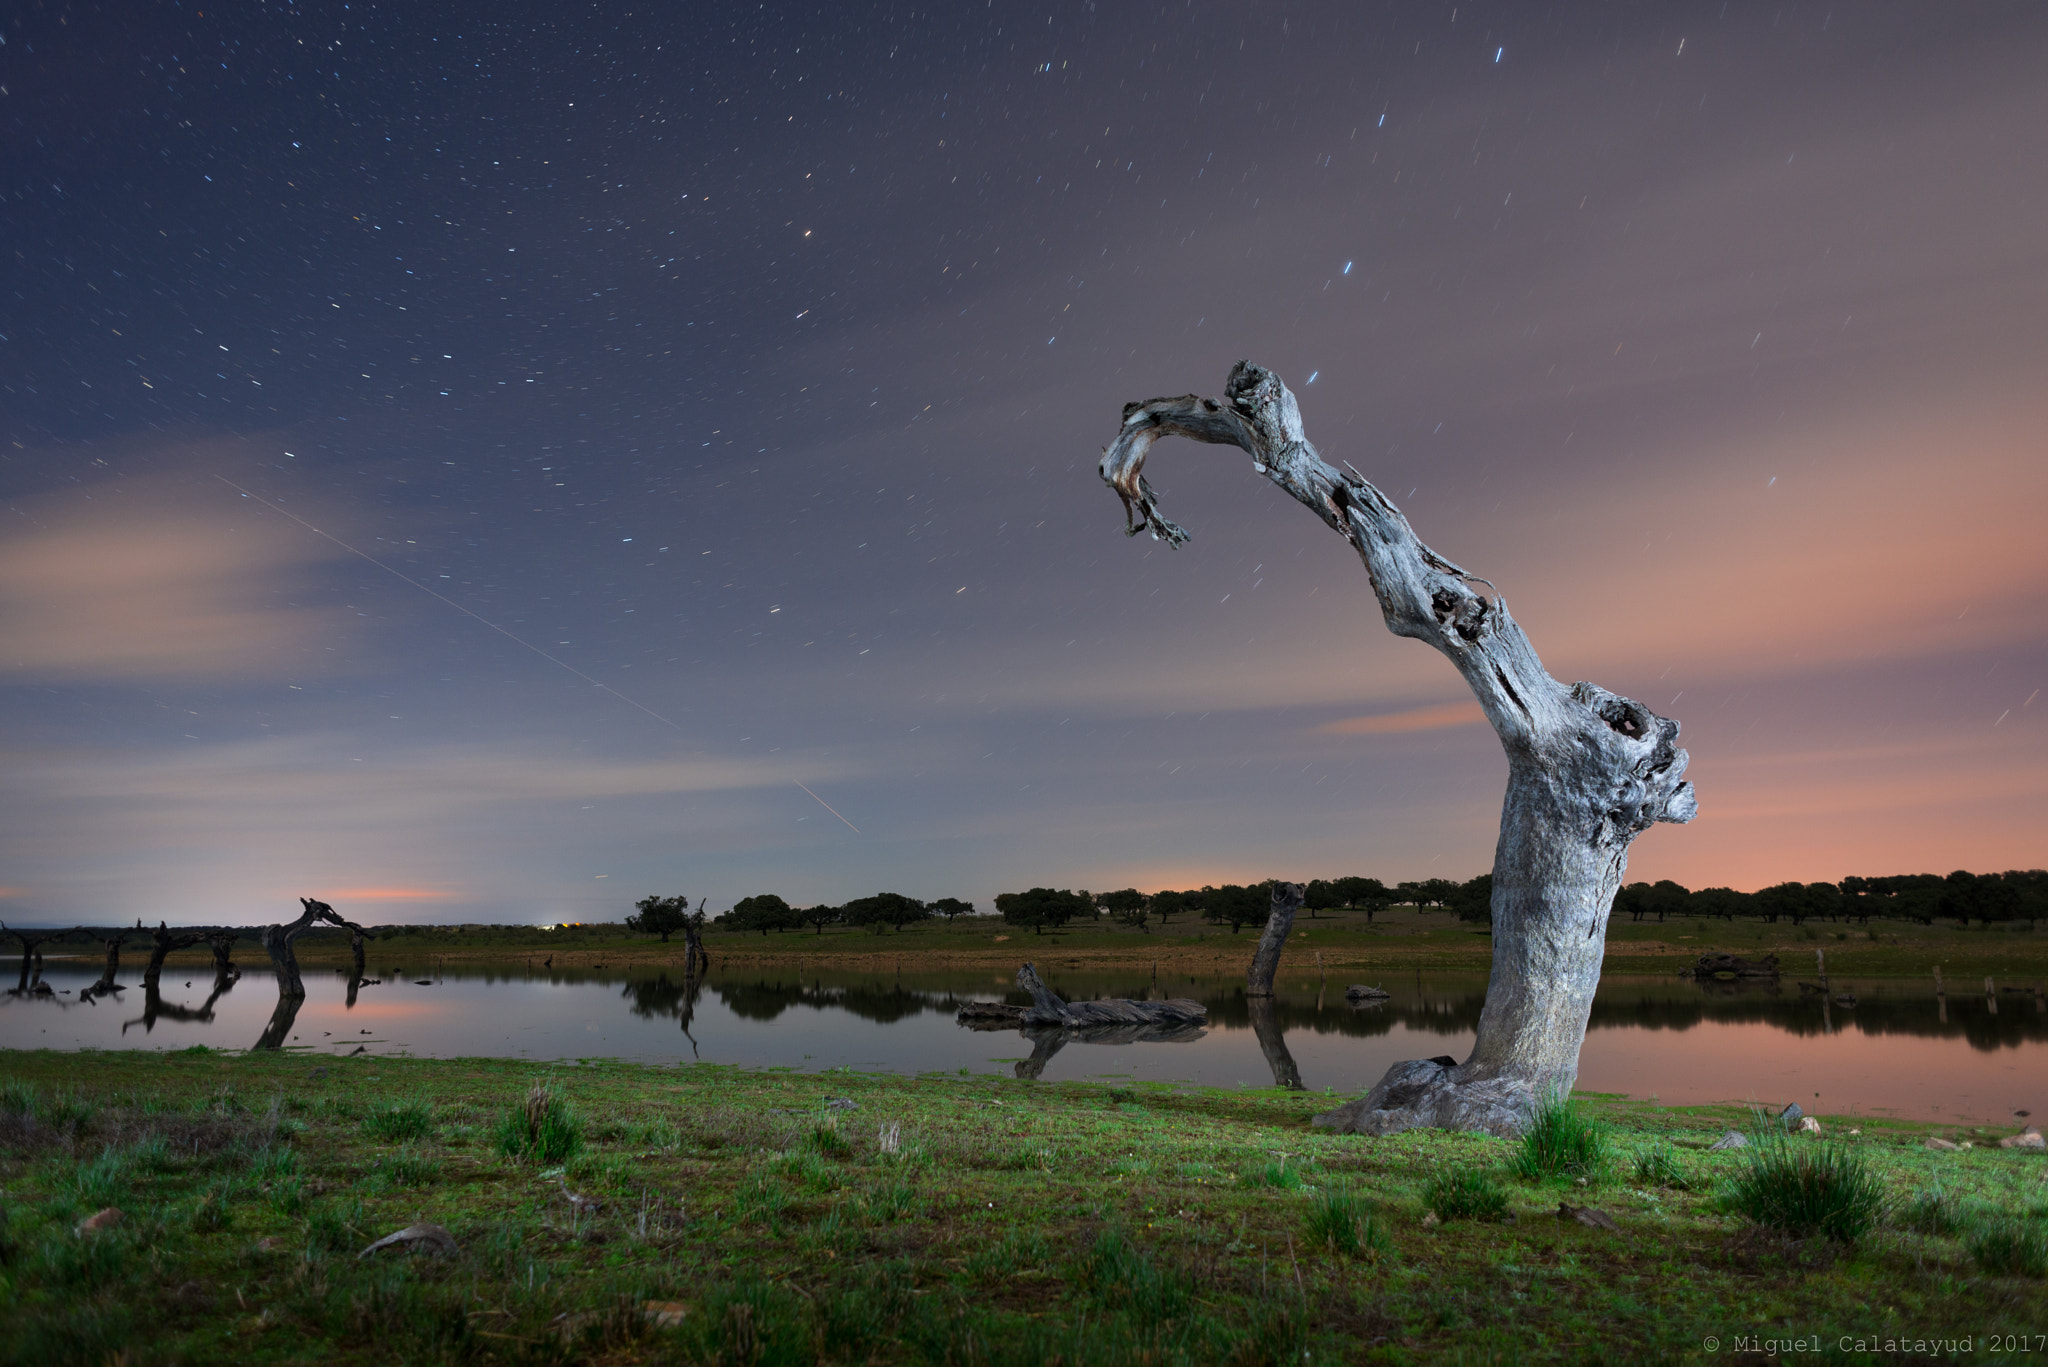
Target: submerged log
[[1729, 968], [1048, 1009], [990, 1016], [1588, 770]]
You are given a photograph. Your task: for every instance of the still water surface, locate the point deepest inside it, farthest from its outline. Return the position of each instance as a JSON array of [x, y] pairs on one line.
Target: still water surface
[[1898, 1051]]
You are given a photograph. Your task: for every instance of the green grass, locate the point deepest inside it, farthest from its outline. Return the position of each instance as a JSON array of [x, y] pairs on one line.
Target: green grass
[[1657, 1165], [1347, 1225], [397, 1121], [1465, 1193], [541, 1127], [1805, 1187], [1072, 1223], [2003, 1246], [1561, 1141]]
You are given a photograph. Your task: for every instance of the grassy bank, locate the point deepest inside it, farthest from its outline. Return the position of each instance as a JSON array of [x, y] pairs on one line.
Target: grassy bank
[[1403, 938], [710, 1214]]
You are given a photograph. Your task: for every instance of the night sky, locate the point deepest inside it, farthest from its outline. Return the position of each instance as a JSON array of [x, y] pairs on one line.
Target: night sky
[[483, 462]]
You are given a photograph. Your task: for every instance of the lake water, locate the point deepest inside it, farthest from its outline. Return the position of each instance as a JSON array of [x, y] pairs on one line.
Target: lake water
[[1898, 1052]]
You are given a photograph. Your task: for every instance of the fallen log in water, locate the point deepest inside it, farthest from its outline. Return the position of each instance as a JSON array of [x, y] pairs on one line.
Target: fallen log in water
[[1048, 1009], [1727, 968]]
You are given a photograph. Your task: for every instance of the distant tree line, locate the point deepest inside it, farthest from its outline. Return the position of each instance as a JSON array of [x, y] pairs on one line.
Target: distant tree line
[[1962, 896], [2016, 895]]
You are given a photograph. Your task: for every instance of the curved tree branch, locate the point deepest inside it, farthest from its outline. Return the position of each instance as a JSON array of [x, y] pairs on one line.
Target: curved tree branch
[[1588, 770]]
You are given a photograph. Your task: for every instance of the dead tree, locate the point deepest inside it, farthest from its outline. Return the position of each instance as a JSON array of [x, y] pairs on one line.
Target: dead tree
[[1588, 770], [277, 942], [1258, 980], [222, 943], [163, 942], [112, 939], [31, 952]]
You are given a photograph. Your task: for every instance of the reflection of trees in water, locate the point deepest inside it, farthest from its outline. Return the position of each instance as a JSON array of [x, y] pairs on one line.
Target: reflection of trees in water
[[155, 1008], [1049, 1040], [1887, 1009], [763, 1000], [662, 995]]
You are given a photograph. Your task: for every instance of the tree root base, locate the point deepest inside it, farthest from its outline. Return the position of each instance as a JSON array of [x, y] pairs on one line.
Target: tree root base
[[1427, 1094]]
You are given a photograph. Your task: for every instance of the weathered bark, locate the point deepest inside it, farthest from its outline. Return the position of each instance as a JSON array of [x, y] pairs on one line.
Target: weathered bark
[[222, 943], [1273, 1042], [1587, 770], [1258, 981]]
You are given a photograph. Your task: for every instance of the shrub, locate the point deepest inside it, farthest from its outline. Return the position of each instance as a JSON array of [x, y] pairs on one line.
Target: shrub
[[2008, 1247], [1349, 1226], [398, 1121], [542, 1128], [1561, 1142], [1465, 1194], [1802, 1188]]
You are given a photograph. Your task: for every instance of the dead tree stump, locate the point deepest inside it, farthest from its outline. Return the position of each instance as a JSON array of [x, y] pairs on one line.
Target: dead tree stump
[[1588, 770]]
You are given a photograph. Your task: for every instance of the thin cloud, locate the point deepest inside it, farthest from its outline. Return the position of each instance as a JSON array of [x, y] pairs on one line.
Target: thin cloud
[[1434, 717], [152, 578]]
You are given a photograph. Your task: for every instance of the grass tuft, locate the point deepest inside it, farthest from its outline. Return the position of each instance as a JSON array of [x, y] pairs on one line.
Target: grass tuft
[[1122, 1278], [1803, 1187], [2009, 1248], [397, 1121], [1929, 1210], [1462, 1193], [541, 1128], [1561, 1141], [1348, 1225], [1658, 1166]]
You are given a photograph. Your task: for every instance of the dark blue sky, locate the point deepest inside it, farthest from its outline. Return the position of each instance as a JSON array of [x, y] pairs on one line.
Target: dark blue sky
[[476, 462]]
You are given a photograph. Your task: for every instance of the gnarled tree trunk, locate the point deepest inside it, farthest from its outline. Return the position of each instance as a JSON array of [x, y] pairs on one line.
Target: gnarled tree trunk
[[1587, 770], [277, 942], [1258, 980], [163, 941]]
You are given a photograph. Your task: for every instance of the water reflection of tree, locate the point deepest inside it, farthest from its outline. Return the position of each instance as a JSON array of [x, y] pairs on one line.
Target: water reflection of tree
[[764, 1001], [1047, 1041], [155, 1008], [662, 995]]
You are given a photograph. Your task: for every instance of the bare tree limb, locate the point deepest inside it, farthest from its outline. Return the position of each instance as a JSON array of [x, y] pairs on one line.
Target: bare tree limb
[[1588, 770]]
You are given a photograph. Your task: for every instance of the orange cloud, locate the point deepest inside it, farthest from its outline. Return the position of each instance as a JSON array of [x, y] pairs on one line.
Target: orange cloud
[[167, 575], [389, 895], [1434, 717]]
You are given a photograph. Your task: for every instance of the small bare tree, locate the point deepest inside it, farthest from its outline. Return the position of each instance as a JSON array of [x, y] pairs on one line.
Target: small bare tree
[[1587, 770]]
